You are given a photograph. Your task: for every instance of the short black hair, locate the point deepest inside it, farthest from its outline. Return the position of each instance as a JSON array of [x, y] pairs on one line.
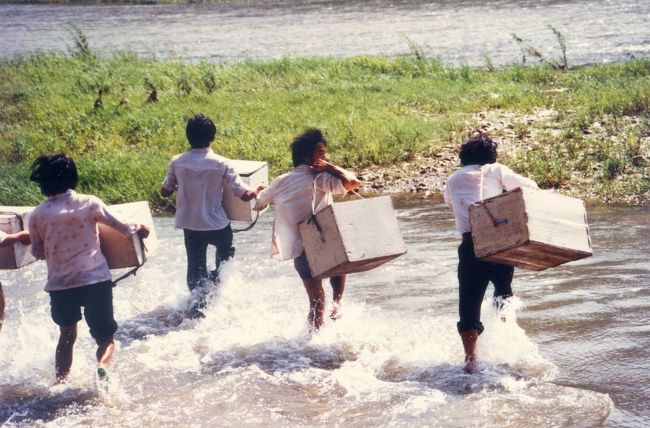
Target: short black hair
[[200, 131], [478, 150], [55, 174], [304, 146]]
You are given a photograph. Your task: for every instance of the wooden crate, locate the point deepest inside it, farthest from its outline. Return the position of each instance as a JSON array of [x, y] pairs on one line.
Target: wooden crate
[[253, 174], [535, 229], [12, 220], [123, 252], [352, 236]]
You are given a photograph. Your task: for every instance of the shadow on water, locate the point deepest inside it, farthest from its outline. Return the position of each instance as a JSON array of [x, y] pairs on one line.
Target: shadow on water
[[453, 381], [164, 319], [281, 355], [22, 403]]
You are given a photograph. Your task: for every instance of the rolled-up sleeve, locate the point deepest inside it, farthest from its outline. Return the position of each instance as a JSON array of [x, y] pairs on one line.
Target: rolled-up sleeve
[[37, 245], [511, 179], [102, 215], [234, 180], [170, 182], [327, 183]]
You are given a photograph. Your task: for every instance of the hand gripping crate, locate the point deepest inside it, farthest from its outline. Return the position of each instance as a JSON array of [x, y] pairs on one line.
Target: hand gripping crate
[[121, 251], [352, 236], [253, 174], [12, 220], [531, 229]]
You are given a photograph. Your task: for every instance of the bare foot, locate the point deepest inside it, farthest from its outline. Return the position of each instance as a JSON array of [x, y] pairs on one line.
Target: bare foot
[[471, 365], [334, 313]]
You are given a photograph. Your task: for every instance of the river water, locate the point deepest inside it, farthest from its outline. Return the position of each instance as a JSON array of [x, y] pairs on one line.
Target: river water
[[456, 31], [572, 352]]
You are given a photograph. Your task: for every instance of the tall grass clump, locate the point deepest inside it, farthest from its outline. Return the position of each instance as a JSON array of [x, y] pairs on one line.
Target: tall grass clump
[[122, 117]]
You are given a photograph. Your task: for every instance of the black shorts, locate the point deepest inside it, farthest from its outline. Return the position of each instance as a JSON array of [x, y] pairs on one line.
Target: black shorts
[[302, 266], [97, 301]]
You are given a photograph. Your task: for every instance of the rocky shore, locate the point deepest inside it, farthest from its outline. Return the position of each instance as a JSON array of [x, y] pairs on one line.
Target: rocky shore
[[514, 133]]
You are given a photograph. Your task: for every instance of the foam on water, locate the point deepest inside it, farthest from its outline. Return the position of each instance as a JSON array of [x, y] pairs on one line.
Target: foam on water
[[251, 362]]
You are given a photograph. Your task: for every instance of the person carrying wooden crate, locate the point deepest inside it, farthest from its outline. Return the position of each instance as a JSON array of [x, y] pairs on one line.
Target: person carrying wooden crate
[[64, 233], [297, 195], [480, 177], [198, 177]]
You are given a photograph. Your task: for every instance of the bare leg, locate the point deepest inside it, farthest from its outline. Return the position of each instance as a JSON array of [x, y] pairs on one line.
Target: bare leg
[[63, 356], [105, 351], [316, 294], [338, 287], [469, 338]]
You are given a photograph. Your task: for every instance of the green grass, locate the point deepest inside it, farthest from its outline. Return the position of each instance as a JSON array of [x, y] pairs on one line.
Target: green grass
[[375, 111]]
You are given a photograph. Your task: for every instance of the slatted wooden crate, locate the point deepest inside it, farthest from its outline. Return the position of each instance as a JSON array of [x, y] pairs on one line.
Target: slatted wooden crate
[[253, 174], [12, 220], [531, 229], [123, 252], [352, 236]]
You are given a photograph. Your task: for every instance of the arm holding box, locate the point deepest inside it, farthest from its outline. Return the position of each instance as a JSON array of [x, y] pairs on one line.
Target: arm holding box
[[348, 180]]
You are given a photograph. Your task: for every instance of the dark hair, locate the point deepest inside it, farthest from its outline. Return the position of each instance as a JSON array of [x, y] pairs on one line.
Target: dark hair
[[478, 150], [54, 173], [304, 146], [200, 131]]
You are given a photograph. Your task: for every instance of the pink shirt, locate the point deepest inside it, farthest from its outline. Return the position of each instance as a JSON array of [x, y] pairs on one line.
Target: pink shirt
[[473, 183], [198, 178], [293, 195], [64, 232]]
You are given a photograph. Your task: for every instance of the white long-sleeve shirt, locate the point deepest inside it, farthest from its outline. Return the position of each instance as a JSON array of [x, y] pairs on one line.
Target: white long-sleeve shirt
[[293, 195], [64, 232], [198, 178], [473, 183]]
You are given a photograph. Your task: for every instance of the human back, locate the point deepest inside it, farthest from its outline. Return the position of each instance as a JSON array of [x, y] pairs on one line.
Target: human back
[[201, 176]]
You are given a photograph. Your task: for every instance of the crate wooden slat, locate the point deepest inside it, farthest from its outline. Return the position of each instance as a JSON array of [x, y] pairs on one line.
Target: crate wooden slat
[[12, 220], [537, 229], [253, 174], [352, 236], [123, 252]]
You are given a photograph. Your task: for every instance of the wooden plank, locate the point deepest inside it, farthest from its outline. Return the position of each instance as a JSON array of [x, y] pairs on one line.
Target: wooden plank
[[352, 236], [537, 229], [253, 174], [15, 219], [120, 251]]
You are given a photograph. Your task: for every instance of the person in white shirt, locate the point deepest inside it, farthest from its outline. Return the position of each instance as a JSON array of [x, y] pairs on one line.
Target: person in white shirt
[[198, 177], [297, 195], [7, 239], [64, 233], [479, 178]]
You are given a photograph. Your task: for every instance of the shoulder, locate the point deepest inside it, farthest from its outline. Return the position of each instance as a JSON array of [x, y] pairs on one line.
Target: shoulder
[[175, 158], [89, 200], [219, 160]]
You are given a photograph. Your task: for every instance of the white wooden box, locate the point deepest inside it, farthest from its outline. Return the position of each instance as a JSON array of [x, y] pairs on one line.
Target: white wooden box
[[123, 252], [253, 174], [352, 236], [535, 229], [12, 220]]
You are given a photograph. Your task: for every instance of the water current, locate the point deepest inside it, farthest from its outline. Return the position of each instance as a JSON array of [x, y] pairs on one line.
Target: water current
[[456, 31], [572, 352]]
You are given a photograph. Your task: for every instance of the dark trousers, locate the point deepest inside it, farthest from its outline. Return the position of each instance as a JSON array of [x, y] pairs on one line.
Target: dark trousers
[[473, 278], [196, 246]]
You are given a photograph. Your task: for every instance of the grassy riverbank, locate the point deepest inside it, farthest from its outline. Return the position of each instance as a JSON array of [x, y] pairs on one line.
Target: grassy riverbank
[[585, 131]]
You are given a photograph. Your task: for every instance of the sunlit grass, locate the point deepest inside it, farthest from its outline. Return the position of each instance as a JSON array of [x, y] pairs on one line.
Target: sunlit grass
[[375, 111]]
